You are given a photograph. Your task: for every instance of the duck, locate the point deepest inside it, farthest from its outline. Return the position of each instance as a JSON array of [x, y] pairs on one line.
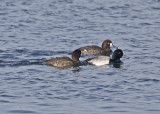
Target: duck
[[65, 61], [96, 50], [105, 60]]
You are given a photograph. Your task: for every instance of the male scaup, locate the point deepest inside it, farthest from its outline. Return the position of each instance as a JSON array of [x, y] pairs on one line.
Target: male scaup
[[95, 50], [65, 61], [103, 60]]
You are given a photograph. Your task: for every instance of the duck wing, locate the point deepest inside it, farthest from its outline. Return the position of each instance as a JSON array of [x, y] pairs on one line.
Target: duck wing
[[91, 50], [59, 62]]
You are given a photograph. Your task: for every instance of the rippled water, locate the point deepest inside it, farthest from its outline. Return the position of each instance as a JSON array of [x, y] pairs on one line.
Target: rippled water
[[32, 31]]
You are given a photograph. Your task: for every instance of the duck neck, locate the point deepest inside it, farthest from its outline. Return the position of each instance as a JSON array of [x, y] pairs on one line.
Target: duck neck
[[75, 58], [115, 60], [106, 52]]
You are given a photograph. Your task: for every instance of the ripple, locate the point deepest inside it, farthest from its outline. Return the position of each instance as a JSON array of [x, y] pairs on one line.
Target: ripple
[[23, 51], [62, 98], [9, 96], [4, 101], [21, 111], [21, 63], [42, 53], [148, 80], [145, 24], [156, 8], [153, 110]]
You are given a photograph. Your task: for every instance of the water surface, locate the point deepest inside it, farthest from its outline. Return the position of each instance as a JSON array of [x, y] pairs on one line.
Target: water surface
[[36, 30]]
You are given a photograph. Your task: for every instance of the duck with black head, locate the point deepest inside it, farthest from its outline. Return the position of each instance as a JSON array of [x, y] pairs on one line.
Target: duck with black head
[[104, 60]]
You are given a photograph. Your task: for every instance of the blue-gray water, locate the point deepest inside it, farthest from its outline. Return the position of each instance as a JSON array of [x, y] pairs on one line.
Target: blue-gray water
[[32, 31]]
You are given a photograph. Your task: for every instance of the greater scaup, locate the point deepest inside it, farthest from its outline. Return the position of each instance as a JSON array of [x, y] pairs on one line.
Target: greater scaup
[[103, 60], [65, 61], [95, 50]]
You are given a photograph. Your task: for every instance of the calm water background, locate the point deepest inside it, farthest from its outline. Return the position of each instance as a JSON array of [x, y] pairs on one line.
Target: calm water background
[[32, 31]]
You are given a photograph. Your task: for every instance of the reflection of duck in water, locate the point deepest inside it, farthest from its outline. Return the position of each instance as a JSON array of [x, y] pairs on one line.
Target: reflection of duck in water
[[65, 61], [95, 50], [103, 60]]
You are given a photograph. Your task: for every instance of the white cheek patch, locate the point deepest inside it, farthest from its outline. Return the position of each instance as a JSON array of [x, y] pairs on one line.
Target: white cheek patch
[[111, 45]]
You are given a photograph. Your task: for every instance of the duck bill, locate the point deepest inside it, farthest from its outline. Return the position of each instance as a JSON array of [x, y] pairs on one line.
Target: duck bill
[[126, 57], [112, 46]]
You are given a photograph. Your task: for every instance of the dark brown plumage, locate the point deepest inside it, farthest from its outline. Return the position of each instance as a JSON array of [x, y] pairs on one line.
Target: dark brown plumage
[[95, 50], [65, 61]]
